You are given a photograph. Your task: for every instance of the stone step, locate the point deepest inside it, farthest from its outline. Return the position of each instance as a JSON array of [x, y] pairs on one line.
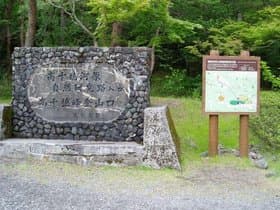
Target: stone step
[[78, 152]]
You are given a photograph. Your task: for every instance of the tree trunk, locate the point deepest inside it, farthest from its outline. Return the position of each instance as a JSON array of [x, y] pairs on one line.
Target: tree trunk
[[31, 26], [8, 11], [21, 27], [239, 16], [22, 32], [116, 34], [153, 57], [62, 26]]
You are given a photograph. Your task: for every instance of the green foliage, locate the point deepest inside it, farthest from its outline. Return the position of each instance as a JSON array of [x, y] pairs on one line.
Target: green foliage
[[267, 125], [114, 11], [52, 32], [177, 83], [178, 31], [110, 11], [181, 31], [223, 39], [5, 86], [205, 12], [135, 19], [140, 30], [259, 33], [263, 36], [269, 77]]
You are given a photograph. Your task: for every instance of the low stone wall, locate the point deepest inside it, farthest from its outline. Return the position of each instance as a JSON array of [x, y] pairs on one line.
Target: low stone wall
[[80, 93]]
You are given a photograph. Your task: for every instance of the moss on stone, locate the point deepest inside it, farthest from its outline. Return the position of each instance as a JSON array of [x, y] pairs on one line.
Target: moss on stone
[[175, 137]]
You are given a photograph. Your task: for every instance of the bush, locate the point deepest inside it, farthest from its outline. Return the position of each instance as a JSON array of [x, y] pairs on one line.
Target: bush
[[269, 77], [179, 84], [5, 85], [267, 125]]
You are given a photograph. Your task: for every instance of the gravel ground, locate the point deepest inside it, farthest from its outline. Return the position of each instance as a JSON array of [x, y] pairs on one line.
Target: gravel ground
[[46, 185]]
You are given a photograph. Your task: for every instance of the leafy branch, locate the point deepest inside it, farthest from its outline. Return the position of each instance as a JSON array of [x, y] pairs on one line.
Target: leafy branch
[[72, 14]]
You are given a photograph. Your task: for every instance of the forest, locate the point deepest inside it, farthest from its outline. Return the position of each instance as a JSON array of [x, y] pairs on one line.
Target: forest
[[179, 31]]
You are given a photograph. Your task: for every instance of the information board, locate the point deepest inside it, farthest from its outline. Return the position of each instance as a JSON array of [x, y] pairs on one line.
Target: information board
[[231, 84]]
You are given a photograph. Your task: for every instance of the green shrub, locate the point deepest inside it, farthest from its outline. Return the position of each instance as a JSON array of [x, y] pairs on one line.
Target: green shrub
[[179, 84], [269, 76], [267, 125], [5, 86]]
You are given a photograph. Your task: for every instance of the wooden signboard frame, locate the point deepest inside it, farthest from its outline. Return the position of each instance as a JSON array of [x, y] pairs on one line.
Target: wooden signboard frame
[[244, 116]]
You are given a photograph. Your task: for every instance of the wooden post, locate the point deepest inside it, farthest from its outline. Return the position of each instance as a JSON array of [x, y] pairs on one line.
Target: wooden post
[[244, 125], [213, 135], [245, 53], [244, 135], [213, 126]]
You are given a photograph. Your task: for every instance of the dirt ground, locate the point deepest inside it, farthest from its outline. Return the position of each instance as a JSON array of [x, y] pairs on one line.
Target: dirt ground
[[49, 185]]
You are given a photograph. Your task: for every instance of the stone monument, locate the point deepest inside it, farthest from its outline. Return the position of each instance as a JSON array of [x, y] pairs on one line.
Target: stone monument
[[86, 105], [81, 93]]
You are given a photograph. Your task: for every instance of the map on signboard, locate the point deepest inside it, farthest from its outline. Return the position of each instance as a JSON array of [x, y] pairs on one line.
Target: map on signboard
[[231, 86]]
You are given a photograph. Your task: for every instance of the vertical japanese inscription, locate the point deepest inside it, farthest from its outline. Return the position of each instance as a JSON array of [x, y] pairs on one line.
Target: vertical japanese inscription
[[81, 93]]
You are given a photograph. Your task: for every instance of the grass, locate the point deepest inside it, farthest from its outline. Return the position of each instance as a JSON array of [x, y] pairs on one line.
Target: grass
[[192, 128], [5, 88], [5, 100]]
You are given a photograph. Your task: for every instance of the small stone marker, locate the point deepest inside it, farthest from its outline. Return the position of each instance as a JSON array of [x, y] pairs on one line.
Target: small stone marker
[[161, 144]]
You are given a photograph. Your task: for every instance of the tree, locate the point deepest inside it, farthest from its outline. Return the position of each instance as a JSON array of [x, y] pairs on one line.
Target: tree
[[21, 23], [263, 36], [142, 23], [31, 25], [112, 14], [69, 8], [8, 12]]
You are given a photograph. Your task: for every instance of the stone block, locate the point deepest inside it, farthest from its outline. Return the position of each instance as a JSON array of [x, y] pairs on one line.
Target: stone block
[[161, 144], [77, 152]]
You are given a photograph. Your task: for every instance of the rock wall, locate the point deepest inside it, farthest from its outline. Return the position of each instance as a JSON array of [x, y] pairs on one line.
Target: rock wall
[[81, 93]]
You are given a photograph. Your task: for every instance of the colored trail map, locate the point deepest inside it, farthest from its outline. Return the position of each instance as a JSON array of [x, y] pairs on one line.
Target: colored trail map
[[231, 91]]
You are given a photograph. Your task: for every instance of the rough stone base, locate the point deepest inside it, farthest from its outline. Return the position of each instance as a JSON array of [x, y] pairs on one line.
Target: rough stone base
[[160, 147], [78, 152], [5, 121]]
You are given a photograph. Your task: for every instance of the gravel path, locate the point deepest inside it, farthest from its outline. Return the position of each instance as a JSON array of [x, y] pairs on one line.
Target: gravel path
[[45, 185]]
